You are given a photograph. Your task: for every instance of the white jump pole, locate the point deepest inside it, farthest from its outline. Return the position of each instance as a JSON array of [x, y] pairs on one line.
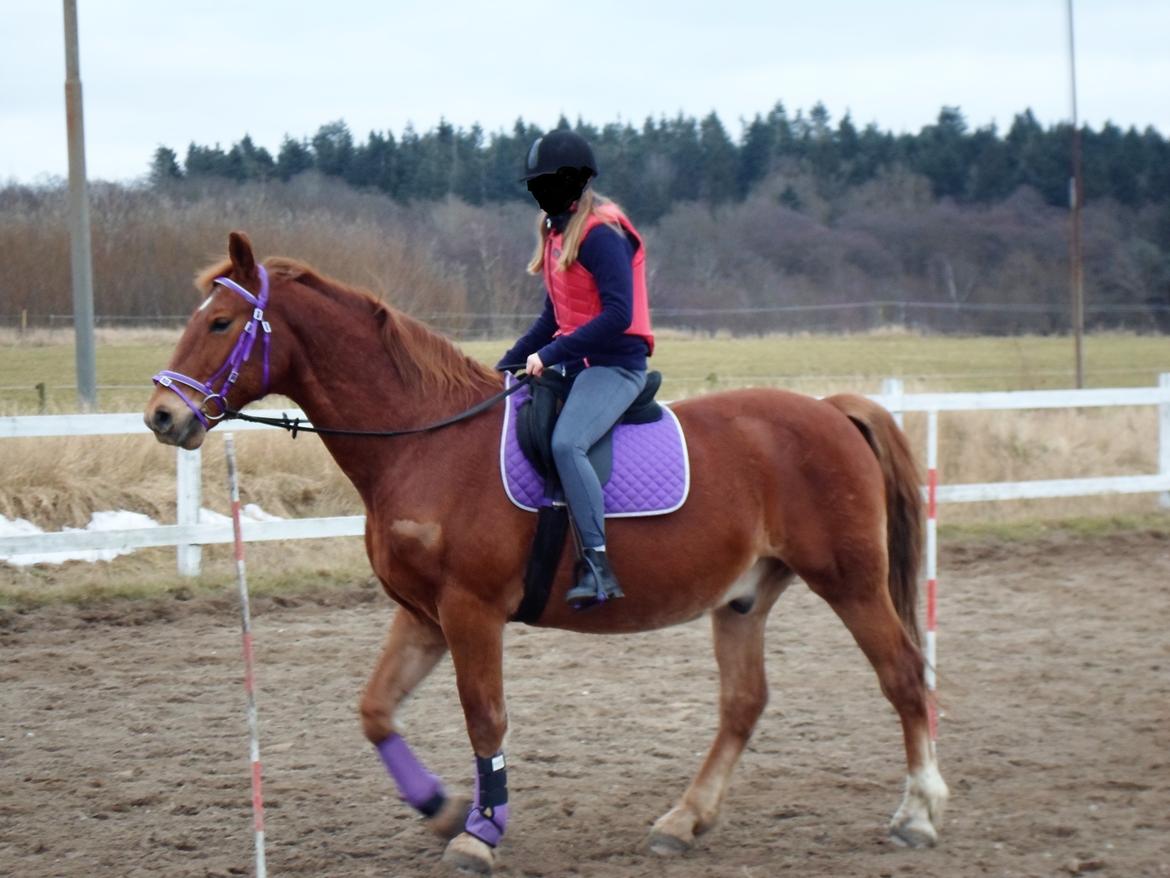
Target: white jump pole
[[932, 568], [249, 675]]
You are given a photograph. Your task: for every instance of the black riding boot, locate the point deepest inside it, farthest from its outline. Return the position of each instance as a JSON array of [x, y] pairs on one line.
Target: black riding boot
[[595, 581]]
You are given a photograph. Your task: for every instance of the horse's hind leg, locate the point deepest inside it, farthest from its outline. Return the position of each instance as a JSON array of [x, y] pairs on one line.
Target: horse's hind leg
[[743, 692], [869, 615], [413, 648]]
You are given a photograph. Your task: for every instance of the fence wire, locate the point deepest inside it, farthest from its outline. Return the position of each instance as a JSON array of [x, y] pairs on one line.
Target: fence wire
[[961, 318]]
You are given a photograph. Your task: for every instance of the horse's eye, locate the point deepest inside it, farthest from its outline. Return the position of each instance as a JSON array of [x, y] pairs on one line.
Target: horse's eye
[[220, 324]]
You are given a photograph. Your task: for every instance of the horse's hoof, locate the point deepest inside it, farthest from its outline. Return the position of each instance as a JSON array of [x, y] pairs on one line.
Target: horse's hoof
[[449, 821], [673, 833], [914, 833], [667, 845], [468, 854]]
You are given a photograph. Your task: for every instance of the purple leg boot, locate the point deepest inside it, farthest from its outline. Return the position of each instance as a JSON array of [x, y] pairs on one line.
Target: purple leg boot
[[418, 787], [489, 813]]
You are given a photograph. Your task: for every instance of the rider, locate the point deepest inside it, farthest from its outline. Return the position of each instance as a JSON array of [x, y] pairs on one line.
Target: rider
[[595, 325]]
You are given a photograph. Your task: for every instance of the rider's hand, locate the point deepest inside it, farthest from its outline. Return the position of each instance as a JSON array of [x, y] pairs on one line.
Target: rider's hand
[[534, 366]]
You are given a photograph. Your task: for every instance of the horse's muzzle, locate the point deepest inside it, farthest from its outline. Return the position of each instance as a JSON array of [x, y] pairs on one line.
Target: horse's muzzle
[[174, 425]]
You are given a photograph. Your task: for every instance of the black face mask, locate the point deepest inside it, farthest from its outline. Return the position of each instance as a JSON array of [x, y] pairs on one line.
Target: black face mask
[[555, 193]]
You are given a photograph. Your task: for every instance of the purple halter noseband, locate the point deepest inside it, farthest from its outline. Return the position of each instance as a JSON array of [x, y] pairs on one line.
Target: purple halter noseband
[[230, 370]]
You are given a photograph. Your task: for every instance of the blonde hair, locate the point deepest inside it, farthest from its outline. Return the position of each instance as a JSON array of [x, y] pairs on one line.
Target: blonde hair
[[574, 231]]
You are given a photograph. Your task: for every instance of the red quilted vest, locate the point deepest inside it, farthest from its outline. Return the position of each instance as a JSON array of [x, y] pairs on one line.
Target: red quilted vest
[[573, 291]]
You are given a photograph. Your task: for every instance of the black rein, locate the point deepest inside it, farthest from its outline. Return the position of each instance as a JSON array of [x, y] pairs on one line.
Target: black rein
[[297, 425]]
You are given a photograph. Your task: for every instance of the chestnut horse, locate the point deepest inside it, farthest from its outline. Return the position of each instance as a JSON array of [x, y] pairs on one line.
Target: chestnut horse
[[782, 485]]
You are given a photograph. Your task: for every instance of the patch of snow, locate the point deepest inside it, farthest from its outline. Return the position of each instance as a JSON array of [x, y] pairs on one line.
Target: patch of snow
[[254, 512], [104, 521], [100, 521], [248, 512]]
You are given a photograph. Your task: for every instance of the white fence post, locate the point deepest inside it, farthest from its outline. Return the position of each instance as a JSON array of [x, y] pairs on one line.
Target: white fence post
[[189, 498], [1164, 440], [894, 389]]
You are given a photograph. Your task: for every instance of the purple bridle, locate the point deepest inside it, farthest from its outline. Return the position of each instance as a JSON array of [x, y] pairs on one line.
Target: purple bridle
[[230, 370]]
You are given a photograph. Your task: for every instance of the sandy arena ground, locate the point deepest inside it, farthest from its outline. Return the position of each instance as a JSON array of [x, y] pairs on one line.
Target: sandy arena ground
[[123, 743]]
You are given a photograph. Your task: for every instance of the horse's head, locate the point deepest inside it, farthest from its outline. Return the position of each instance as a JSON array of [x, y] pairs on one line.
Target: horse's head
[[222, 358]]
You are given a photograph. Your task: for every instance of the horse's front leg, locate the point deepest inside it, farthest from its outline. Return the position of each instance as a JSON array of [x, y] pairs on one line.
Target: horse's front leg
[[474, 630], [413, 647]]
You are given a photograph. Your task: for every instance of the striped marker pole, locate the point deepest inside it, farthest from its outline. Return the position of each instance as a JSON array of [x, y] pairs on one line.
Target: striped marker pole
[[249, 676], [931, 568]]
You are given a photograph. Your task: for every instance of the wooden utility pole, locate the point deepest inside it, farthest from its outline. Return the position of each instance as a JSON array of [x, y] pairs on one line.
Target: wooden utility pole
[[80, 249], [1076, 197]]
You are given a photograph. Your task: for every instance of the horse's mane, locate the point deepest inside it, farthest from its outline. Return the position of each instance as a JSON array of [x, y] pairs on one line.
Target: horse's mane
[[421, 356]]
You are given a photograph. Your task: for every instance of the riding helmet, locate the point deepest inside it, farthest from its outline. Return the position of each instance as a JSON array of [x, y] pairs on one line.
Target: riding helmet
[[556, 150]]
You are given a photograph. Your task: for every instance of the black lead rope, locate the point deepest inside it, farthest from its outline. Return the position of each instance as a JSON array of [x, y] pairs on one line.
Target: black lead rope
[[297, 425]]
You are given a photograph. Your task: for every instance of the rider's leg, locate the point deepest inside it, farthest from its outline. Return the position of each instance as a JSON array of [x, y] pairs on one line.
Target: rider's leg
[[600, 395]]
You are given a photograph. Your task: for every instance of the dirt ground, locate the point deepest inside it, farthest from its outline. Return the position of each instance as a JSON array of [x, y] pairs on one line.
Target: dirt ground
[[123, 742]]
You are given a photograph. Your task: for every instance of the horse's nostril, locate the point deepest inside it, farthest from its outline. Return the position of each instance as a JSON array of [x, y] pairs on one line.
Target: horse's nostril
[[161, 420]]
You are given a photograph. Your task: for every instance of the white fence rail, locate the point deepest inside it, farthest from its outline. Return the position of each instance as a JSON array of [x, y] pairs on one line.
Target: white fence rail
[[189, 534], [932, 404]]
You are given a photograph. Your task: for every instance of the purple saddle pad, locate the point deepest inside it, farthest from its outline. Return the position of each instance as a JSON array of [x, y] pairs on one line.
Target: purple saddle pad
[[651, 471]]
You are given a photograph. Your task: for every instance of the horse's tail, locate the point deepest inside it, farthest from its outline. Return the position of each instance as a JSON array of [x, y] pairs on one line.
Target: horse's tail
[[904, 506]]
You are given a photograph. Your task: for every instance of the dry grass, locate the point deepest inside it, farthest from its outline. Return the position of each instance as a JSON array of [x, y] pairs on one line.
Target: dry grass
[[272, 567], [57, 483]]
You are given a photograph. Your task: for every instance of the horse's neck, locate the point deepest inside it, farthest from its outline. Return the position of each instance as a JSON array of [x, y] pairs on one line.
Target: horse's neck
[[343, 378]]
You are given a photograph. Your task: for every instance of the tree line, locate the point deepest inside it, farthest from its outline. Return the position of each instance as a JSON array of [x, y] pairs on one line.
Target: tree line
[[798, 225], [883, 253], [667, 161]]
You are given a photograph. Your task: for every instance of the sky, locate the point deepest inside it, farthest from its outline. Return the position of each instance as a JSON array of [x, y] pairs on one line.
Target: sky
[[162, 73]]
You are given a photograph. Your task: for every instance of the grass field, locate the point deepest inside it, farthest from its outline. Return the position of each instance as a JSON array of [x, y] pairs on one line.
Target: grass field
[[690, 365], [61, 482]]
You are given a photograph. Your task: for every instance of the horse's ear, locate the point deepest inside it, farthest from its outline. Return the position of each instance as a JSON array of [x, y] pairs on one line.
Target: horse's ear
[[240, 250]]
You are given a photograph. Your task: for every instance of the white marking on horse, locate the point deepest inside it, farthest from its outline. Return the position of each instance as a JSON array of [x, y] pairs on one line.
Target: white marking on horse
[[207, 301], [919, 817], [745, 587], [425, 532]]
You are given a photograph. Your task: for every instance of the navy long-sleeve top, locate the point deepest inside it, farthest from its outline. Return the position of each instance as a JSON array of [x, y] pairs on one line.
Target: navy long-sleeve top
[[608, 255]]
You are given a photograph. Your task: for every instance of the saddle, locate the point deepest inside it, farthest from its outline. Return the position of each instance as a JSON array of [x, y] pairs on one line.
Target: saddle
[[642, 464], [537, 418]]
